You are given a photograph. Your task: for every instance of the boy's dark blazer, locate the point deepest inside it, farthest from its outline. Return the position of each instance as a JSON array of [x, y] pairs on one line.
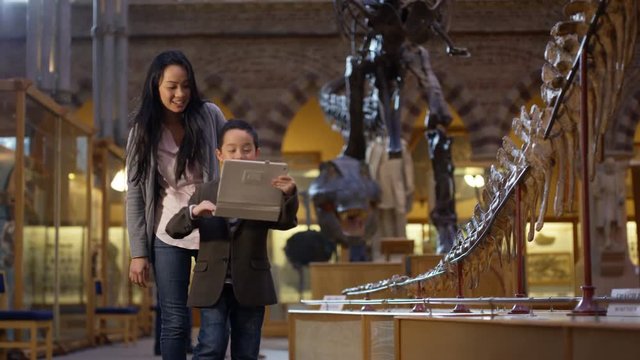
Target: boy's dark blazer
[[245, 245]]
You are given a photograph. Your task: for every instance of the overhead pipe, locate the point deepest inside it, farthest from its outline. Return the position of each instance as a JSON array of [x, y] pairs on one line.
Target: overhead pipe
[[97, 49], [62, 55], [48, 60], [107, 69], [122, 71]]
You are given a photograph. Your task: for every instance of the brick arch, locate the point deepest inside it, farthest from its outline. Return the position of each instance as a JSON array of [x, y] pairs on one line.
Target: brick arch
[[308, 86], [212, 86], [485, 136], [215, 86], [460, 98], [489, 134], [517, 97], [274, 127]]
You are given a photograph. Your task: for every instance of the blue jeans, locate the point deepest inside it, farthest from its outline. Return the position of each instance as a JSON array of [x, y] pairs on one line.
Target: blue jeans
[[172, 269], [358, 253], [158, 330], [244, 323]]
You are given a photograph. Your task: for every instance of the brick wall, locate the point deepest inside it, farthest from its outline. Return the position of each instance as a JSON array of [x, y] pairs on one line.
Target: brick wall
[[265, 58]]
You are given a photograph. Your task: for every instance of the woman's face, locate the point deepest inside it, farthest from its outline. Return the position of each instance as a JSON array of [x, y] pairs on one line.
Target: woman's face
[[174, 88]]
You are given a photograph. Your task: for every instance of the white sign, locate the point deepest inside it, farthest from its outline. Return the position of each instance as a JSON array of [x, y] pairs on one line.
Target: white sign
[[333, 306], [619, 309]]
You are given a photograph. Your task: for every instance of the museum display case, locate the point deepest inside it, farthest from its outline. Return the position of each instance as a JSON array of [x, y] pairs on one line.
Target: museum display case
[[551, 260], [110, 243], [46, 208], [109, 240]]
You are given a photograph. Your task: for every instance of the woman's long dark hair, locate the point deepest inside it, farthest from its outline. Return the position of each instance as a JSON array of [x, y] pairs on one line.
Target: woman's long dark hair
[[147, 121]]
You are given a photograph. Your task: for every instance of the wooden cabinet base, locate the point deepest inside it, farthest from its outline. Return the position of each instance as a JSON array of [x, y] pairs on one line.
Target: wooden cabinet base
[[401, 335]]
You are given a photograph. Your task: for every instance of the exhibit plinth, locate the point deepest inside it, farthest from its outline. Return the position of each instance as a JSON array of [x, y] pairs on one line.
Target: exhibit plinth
[[402, 335]]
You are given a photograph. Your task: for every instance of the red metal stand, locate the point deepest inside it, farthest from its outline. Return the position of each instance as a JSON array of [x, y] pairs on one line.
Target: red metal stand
[[460, 308], [586, 306], [519, 237], [367, 307], [420, 306]]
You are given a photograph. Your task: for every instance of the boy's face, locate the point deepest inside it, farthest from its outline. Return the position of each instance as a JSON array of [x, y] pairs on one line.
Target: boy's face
[[237, 145]]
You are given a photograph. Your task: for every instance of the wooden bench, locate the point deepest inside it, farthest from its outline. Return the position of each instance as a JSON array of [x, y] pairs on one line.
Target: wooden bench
[[30, 320], [391, 246], [125, 316]]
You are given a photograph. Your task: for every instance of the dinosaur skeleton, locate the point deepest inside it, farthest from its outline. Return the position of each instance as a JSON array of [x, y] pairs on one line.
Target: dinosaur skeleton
[[386, 37], [607, 30]]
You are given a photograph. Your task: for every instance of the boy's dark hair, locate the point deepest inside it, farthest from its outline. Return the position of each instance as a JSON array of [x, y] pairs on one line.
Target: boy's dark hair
[[240, 125]]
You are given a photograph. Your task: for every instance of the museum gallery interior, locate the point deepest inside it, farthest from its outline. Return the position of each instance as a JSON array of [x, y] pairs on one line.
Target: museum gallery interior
[[467, 171]]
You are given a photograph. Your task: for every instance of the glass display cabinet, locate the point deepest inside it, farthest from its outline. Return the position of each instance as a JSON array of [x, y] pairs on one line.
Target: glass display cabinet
[[109, 243], [46, 207]]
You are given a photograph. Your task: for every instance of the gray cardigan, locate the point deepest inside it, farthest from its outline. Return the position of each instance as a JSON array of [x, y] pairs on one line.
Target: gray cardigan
[[141, 201]]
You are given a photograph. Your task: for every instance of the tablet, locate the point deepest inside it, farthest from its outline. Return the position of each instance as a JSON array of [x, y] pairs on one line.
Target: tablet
[[245, 190]]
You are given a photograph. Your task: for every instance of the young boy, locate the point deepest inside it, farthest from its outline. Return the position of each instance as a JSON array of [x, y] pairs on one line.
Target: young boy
[[232, 280]]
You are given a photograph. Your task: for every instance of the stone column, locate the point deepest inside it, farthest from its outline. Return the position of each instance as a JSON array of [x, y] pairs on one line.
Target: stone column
[[122, 71], [97, 34], [48, 60], [107, 70], [110, 69]]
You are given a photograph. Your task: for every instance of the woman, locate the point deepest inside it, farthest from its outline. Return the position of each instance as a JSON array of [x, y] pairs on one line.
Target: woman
[[169, 151]]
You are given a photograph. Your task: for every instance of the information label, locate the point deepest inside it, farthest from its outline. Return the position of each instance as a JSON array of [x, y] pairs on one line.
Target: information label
[[333, 306], [624, 309]]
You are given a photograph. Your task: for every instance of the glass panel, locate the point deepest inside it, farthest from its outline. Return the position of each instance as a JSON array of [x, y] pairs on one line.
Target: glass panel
[[424, 236], [303, 167], [96, 214], [110, 188], [550, 261], [49, 192], [7, 189], [291, 284], [74, 221], [39, 228], [632, 242], [118, 244]]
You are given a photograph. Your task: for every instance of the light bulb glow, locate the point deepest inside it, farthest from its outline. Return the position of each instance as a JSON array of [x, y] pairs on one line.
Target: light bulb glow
[[119, 182], [475, 181]]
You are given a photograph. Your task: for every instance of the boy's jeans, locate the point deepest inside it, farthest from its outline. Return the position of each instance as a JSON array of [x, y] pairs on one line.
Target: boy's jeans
[[244, 323]]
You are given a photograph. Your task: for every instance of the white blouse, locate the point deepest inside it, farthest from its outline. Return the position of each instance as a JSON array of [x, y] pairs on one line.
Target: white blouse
[[174, 193]]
